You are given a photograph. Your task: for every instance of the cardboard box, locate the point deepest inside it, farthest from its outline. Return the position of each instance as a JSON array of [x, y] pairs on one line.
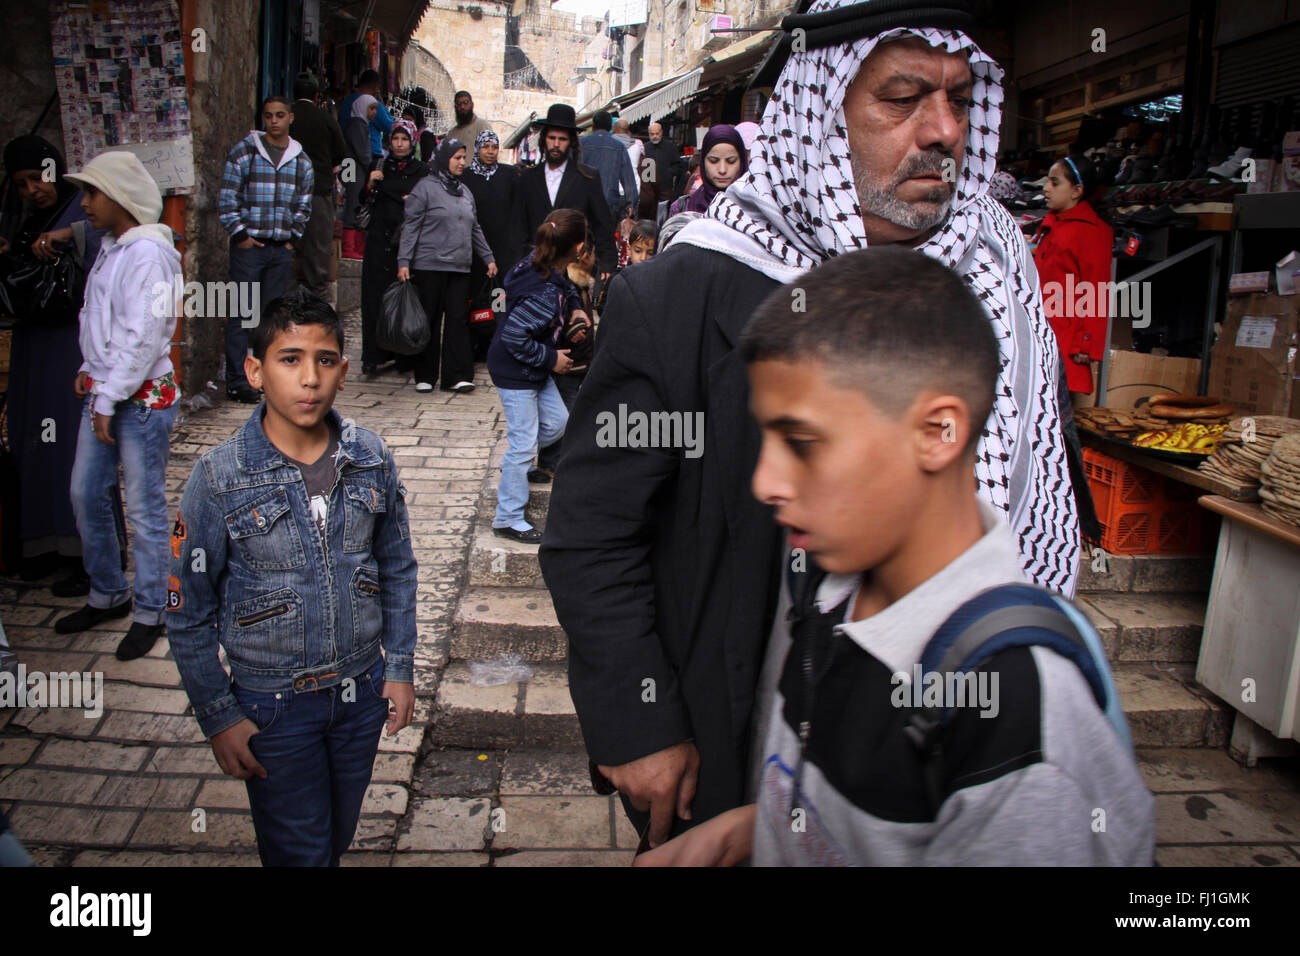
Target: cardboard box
[[1253, 364], [1135, 375]]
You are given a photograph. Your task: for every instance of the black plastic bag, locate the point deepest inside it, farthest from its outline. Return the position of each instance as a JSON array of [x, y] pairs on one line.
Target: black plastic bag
[[403, 329]]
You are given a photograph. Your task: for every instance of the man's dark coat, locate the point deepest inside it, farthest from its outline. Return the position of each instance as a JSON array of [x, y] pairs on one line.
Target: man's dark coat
[[577, 191], [663, 568]]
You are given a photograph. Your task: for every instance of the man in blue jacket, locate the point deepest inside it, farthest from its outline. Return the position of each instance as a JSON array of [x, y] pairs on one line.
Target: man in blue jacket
[[609, 157]]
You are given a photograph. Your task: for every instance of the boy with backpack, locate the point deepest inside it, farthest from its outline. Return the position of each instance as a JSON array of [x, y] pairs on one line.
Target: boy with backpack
[[291, 551], [131, 398], [920, 704]]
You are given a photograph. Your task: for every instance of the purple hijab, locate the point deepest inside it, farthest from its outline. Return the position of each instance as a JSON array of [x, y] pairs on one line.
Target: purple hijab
[[722, 133]]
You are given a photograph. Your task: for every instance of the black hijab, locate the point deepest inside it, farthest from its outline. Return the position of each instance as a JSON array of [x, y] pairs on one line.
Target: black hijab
[[31, 152], [441, 162]]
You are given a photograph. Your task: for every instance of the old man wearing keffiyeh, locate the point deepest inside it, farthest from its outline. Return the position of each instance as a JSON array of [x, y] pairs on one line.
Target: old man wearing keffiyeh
[[882, 128]]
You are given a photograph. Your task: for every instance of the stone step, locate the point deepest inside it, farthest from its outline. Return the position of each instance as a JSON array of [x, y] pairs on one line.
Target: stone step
[[1140, 627], [539, 500], [491, 621], [536, 714], [1145, 573], [1165, 706], [500, 562]]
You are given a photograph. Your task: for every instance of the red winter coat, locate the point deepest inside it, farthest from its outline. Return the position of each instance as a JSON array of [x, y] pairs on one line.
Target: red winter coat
[[1072, 249]]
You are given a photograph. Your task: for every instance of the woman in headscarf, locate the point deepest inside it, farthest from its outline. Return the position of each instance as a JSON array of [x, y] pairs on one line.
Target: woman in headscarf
[[43, 410], [356, 133], [440, 236], [723, 160], [390, 184], [494, 186]]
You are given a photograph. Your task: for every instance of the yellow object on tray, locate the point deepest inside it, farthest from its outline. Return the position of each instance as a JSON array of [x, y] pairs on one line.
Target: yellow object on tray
[[1189, 437]]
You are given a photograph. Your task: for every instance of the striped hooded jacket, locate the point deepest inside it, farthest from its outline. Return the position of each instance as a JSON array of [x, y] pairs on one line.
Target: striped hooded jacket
[[262, 200]]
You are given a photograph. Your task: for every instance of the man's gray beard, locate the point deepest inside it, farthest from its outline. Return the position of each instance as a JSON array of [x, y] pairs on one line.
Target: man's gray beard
[[921, 215]]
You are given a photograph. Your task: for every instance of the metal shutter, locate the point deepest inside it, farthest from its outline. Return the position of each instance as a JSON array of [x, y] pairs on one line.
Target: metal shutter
[[1265, 67]]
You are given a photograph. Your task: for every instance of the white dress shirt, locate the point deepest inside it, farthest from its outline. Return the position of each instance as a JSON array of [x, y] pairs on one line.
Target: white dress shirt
[[553, 177]]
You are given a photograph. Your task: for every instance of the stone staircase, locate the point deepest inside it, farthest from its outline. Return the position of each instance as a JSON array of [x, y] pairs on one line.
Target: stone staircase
[[1148, 609]]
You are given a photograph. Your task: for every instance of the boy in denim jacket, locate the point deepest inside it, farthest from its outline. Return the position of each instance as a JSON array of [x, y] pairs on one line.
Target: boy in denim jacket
[[291, 550]]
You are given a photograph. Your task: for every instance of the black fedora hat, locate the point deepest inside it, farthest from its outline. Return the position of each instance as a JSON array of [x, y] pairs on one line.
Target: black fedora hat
[[559, 116]]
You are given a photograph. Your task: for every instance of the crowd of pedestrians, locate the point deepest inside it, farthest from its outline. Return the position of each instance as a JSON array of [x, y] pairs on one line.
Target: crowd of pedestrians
[[829, 523]]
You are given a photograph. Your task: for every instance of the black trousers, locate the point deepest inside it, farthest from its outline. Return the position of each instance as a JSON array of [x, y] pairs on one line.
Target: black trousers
[[445, 297], [378, 272]]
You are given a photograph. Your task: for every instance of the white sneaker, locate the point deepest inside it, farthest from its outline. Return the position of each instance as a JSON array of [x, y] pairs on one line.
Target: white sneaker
[[423, 387], [463, 387], [1230, 168]]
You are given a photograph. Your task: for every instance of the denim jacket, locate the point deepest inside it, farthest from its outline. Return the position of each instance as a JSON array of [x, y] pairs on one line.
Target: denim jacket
[[248, 572]]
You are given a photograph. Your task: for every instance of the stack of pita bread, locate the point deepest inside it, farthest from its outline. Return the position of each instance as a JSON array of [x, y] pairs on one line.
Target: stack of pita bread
[[1280, 480], [1242, 449]]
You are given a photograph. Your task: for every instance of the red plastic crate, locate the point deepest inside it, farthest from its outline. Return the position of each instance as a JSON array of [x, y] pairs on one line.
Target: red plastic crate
[[1142, 512]]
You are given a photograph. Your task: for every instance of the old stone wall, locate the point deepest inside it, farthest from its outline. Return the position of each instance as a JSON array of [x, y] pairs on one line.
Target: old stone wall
[[223, 110]]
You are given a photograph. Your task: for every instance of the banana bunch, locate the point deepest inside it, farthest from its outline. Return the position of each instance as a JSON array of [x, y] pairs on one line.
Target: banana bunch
[[1189, 437]]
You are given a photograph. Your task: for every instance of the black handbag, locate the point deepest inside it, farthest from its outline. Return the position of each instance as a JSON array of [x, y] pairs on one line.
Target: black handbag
[[48, 291]]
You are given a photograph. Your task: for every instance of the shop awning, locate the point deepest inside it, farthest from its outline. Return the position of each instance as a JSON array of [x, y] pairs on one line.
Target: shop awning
[[394, 18], [519, 132], [664, 100], [740, 56]]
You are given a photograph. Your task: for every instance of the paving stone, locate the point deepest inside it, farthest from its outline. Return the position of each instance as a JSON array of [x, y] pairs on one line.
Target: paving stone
[[27, 615], [22, 639], [176, 829], [507, 620], [554, 823], [375, 833], [1221, 817], [1203, 768], [154, 728], [367, 858], [155, 858], [625, 835], [446, 823], [56, 662], [192, 761], [1155, 627], [17, 750], [385, 798], [454, 772], [150, 700], [1236, 855], [224, 794], [566, 858], [545, 772], [79, 826], [92, 753], [1107, 629], [51, 786], [402, 858], [148, 792], [142, 670], [393, 767], [549, 717]]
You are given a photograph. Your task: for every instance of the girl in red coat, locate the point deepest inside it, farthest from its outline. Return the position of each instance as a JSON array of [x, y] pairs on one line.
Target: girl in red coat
[[1072, 251]]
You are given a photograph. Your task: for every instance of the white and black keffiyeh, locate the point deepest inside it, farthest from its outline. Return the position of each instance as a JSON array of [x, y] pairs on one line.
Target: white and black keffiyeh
[[797, 207]]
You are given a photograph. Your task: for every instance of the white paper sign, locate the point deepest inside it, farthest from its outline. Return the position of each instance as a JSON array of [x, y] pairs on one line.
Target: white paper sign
[[1256, 331], [170, 162]]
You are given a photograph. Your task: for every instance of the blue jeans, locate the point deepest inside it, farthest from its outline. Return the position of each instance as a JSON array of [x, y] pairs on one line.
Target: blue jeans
[[272, 266], [534, 417], [318, 749], [143, 447]]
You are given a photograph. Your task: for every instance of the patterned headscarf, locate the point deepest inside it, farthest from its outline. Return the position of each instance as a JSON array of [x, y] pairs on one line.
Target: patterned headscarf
[[486, 170], [407, 127], [798, 206], [441, 160]]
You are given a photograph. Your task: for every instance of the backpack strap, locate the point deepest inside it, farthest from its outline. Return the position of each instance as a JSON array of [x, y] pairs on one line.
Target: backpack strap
[[1000, 618]]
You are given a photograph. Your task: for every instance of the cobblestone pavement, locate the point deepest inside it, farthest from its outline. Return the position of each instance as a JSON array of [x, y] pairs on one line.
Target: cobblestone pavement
[[138, 785]]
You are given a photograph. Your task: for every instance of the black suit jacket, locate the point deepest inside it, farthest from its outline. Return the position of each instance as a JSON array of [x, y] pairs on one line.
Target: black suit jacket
[[580, 189], [322, 141], [661, 563]]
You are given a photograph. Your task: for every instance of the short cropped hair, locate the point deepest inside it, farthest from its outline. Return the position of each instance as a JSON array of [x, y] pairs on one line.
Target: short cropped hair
[[296, 307], [277, 98], [644, 229], [889, 322], [601, 120]]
